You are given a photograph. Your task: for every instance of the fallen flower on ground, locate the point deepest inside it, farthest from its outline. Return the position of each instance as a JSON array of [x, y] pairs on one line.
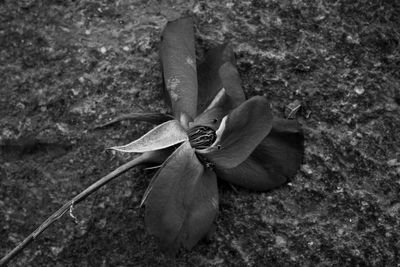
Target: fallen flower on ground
[[216, 133]]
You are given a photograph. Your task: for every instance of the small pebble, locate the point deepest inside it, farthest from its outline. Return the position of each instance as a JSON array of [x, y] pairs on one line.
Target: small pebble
[[307, 169], [56, 250], [359, 89], [103, 50], [74, 91], [280, 241], [229, 5], [393, 162], [20, 105]]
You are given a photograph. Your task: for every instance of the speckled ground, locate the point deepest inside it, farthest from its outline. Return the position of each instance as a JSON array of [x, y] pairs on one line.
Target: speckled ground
[[69, 65]]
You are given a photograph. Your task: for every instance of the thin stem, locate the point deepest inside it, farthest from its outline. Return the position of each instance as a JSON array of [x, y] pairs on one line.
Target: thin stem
[[144, 158]]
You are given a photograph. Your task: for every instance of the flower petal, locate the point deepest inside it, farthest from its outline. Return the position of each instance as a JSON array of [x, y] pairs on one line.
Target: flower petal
[[164, 135], [218, 108], [183, 201], [240, 132], [232, 83], [179, 66], [210, 79], [203, 211], [273, 162], [283, 148], [252, 175]]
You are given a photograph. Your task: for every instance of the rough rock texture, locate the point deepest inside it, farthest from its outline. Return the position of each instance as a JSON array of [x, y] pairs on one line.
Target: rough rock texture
[[66, 66]]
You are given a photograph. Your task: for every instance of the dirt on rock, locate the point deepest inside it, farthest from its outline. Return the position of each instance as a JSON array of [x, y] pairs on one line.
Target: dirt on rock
[[66, 66]]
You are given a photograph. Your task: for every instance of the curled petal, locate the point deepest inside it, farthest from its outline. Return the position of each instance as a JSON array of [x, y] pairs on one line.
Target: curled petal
[[179, 66], [252, 175], [240, 132], [211, 80], [282, 149], [221, 100], [185, 120], [232, 83], [158, 156], [273, 162], [164, 135], [218, 108], [286, 127], [182, 202]]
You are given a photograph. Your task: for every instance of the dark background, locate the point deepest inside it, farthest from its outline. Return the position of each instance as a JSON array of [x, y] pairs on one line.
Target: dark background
[[69, 65]]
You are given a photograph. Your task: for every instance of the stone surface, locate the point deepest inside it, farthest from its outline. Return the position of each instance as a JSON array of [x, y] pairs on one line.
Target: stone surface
[[69, 65]]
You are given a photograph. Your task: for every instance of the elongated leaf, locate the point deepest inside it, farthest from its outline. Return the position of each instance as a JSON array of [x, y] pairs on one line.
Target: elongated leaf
[[273, 162], [164, 135], [240, 133], [183, 201], [179, 66]]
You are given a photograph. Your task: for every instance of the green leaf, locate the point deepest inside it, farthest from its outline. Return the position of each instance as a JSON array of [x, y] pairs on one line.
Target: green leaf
[[179, 66], [162, 136]]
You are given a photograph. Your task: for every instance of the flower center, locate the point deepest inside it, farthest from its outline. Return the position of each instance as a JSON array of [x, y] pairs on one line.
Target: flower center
[[201, 137]]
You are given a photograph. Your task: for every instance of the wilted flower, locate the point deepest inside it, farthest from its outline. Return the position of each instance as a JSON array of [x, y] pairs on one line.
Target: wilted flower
[[216, 133]]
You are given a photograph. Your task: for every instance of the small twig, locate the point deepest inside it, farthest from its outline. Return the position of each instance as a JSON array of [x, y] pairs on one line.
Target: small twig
[[71, 213], [144, 158], [234, 188], [292, 109], [153, 168], [148, 117]]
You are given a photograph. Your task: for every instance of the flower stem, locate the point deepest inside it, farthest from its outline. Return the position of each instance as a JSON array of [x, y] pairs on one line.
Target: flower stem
[[144, 158]]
